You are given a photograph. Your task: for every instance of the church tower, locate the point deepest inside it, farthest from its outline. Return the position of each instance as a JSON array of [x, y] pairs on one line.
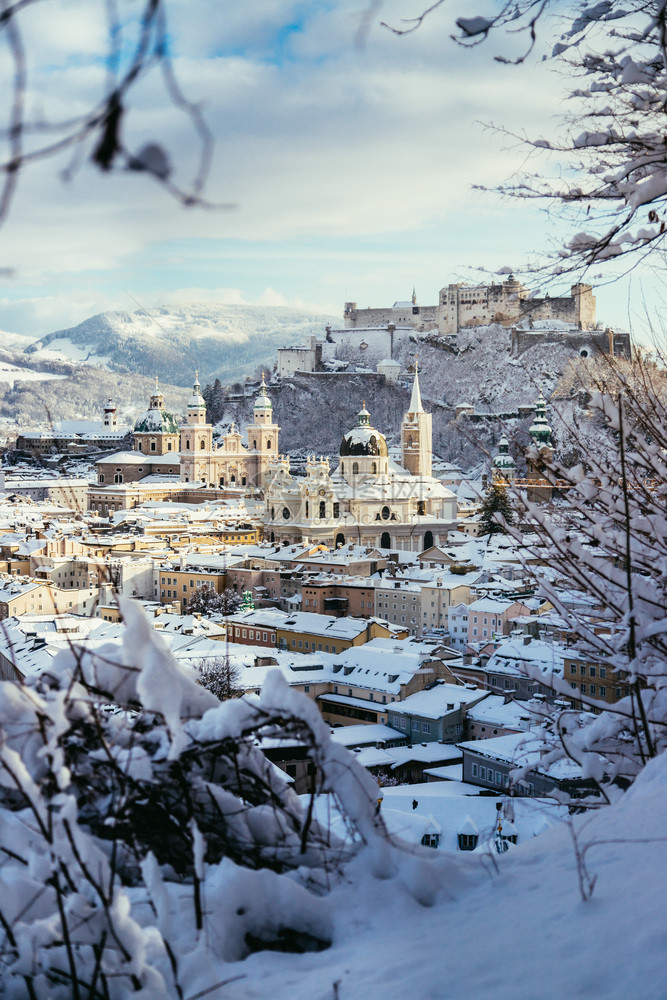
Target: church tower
[[263, 434], [417, 435], [540, 433], [156, 431], [110, 420], [197, 440]]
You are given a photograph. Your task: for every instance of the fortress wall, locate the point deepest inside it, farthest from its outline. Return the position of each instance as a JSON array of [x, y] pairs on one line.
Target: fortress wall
[[347, 343], [593, 342], [426, 318]]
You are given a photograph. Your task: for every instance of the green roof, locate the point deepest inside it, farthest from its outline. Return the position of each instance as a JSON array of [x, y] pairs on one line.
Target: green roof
[[156, 421]]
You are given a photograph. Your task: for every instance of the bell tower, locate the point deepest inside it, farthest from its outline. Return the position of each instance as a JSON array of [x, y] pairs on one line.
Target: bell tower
[[197, 440], [417, 435], [263, 434]]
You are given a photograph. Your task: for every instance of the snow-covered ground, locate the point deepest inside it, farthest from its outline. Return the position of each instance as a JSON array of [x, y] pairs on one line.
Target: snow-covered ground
[[64, 349], [512, 927], [13, 373]]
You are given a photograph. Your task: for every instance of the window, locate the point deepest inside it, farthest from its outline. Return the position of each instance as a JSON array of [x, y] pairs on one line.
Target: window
[[482, 772], [355, 468], [499, 778], [306, 687], [474, 770], [467, 841], [402, 723], [603, 672], [603, 692], [202, 445], [169, 446], [153, 446], [426, 727], [592, 671]]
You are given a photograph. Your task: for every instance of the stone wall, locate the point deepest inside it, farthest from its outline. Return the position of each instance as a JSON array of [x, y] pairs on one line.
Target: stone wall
[[587, 343], [417, 317]]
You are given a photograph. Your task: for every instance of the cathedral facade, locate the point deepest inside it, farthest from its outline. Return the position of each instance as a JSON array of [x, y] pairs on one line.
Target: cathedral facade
[[231, 462], [367, 499]]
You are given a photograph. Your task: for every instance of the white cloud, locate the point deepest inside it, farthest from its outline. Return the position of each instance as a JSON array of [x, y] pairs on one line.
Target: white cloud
[[318, 140]]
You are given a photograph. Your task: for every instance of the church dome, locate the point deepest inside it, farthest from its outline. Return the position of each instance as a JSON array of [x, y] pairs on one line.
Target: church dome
[[156, 421], [263, 402], [363, 439], [196, 401], [503, 459]]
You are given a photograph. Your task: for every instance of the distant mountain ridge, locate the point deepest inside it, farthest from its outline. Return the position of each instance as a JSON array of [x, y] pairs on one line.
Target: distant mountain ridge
[[227, 342]]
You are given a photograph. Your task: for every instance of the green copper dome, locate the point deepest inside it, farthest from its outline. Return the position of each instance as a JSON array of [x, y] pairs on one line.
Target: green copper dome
[[156, 421], [503, 459]]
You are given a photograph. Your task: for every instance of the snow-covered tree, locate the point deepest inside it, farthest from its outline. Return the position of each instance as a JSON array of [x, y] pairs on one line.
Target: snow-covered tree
[[220, 677], [608, 162], [146, 841], [496, 510], [612, 551], [207, 601]]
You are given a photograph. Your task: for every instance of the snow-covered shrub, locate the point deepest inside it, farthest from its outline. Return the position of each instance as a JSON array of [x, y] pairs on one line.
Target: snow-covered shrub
[[144, 836], [609, 547]]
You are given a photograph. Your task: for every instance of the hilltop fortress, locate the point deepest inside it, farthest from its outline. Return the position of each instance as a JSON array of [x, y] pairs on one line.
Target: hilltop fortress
[[461, 306]]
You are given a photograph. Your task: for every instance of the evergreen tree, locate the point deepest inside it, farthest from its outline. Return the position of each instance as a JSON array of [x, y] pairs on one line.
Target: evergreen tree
[[496, 505]]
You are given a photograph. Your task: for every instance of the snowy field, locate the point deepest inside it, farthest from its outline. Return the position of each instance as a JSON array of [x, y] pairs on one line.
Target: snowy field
[[13, 373], [484, 927]]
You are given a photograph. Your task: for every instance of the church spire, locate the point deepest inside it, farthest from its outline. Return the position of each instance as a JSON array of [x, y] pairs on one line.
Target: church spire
[[416, 399]]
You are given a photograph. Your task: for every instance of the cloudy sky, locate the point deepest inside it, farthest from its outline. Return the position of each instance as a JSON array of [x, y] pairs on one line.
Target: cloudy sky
[[350, 167]]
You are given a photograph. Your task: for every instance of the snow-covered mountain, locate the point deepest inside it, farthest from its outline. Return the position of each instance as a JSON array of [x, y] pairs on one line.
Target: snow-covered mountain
[[221, 341]]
